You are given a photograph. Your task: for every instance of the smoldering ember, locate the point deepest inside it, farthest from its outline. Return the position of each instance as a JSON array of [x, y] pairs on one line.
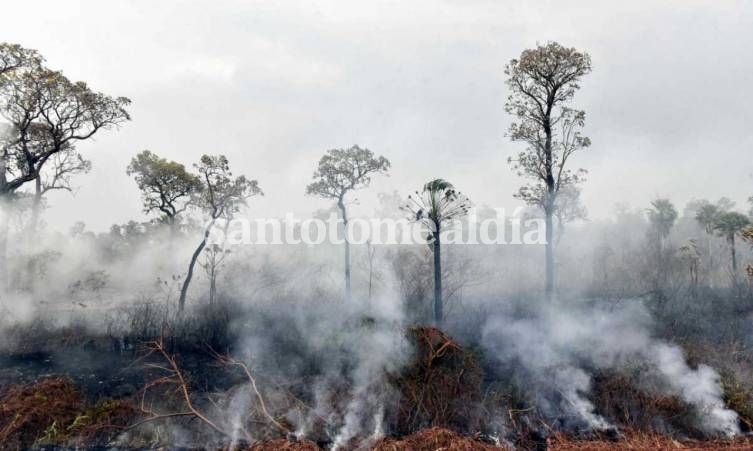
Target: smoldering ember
[[244, 225]]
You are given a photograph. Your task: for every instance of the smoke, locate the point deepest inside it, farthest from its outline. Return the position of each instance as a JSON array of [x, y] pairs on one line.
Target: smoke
[[557, 348], [342, 353], [292, 328], [700, 387]]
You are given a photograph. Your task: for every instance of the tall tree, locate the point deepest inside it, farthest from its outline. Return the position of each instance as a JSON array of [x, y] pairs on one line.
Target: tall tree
[[46, 115], [728, 225], [436, 205], [341, 171], [542, 84], [166, 187], [662, 217], [221, 196], [707, 215]]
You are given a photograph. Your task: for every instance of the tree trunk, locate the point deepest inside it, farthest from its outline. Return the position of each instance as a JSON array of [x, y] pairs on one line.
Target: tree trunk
[[734, 256], [341, 205], [549, 250], [4, 226], [212, 288], [36, 206], [189, 275], [438, 305], [549, 203], [371, 269]]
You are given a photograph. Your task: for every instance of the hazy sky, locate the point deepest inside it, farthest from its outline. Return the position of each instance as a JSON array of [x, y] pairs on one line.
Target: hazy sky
[[274, 84]]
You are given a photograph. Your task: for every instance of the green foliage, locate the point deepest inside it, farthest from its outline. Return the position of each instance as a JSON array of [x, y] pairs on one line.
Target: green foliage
[[222, 194], [46, 114], [165, 185], [730, 223], [542, 83], [662, 217], [437, 203], [343, 170]]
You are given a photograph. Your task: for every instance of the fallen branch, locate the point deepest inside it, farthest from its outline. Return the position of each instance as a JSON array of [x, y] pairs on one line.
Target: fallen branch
[[175, 377], [227, 360]]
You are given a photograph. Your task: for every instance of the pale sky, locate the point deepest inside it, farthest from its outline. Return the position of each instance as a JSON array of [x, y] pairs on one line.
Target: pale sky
[[272, 85]]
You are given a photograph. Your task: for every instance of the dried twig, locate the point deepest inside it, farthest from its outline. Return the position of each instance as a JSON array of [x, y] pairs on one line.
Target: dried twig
[[175, 377], [227, 360]]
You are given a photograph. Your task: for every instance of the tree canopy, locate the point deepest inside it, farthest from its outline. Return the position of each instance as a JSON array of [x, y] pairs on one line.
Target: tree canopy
[[542, 83], [166, 187], [343, 170], [46, 114], [222, 194]]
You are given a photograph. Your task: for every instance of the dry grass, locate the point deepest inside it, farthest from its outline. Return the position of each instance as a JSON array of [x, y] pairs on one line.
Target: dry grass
[[442, 387], [38, 412], [438, 439], [647, 442], [284, 445], [432, 440], [53, 411]]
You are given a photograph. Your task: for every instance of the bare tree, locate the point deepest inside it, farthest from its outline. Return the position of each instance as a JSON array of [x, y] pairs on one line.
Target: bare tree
[[222, 196], [166, 187], [543, 81], [56, 176], [214, 257], [436, 205], [46, 115], [339, 172], [691, 256]]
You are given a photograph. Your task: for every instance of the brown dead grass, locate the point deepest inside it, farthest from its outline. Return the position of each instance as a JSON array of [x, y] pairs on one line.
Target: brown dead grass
[[53, 411], [284, 445], [438, 439], [432, 440], [647, 442], [441, 387], [38, 412]]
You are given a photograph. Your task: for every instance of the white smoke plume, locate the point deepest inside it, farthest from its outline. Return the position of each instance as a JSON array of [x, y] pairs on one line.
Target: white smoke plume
[[557, 346]]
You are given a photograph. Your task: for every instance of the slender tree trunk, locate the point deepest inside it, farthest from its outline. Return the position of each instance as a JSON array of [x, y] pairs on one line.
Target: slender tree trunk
[[341, 205], [549, 251], [438, 305], [549, 204], [4, 226], [172, 261], [734, 256], [36, 207], [212, 287], [711, 260], [189, 275], [371, 251], [659, 261]]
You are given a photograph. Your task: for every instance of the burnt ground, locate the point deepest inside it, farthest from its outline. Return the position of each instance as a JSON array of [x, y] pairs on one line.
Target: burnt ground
[[102, 372]]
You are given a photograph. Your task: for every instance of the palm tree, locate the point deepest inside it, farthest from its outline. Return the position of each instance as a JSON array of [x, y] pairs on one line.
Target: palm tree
[[662, 218], [728, 225], [436, 205]]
